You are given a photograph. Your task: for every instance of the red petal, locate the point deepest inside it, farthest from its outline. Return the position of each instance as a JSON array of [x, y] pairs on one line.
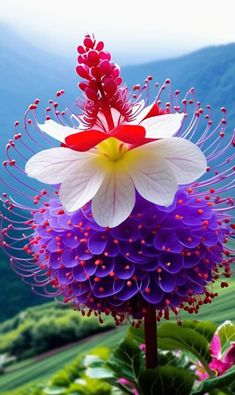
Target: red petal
[[83, 141], [132, 134], [155, 111]]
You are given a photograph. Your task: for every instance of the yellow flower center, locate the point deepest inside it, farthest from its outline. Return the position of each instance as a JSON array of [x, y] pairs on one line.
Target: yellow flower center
[[113, 149]]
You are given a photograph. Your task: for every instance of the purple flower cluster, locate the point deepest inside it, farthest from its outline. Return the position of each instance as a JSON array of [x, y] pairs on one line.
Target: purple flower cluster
[[162, 256]]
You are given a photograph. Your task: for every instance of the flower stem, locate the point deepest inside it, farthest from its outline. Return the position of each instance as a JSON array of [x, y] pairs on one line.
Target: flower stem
[[150, 330]]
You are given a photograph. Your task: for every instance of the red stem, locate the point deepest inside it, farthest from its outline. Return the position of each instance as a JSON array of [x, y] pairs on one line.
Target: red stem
[[106, 109], [150, 330], [108, 115]]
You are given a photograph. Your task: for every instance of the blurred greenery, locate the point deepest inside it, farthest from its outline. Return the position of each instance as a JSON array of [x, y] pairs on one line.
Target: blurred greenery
[[24, 376], [179, 352], [71, 379], [44, 328], [99, 370], [15, 295]]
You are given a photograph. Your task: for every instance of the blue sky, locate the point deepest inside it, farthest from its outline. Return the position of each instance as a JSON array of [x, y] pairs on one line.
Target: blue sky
[[136, 31]]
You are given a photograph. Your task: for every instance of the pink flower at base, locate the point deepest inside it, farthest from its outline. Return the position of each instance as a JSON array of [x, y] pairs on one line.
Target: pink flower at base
[[129, 384], [220, 362], [143, 347]]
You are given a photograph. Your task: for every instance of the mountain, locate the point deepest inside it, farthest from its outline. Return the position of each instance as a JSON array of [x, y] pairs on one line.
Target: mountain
[[27, 72], [210, 70]]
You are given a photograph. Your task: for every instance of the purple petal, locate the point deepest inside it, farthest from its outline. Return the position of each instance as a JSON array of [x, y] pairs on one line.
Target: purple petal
[[167, 281], [52, 245], [210, 239], [191, 261], [69, 258], [71, 239], [97, 243], [65, 276], [82, 252], [107, 287], [79, 273], [172, 263], [125, 231], [187, 238], [55, 260], [105, 267], [151, 292], [80, 289], [166, 239], [129, 290], [124, 269]]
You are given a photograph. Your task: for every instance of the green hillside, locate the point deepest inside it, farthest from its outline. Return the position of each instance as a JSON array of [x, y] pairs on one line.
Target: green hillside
[[39, 372], [15, 295], [41, 329]]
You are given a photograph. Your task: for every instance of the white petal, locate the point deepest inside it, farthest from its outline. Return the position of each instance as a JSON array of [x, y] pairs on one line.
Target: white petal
[[79, 189], [162, 126], [141, 112], [79, 119], [186, 160], [114, 200], [102, 122], [82, 124], [117, 118], [54, 165], [56, 130], [153, 178]]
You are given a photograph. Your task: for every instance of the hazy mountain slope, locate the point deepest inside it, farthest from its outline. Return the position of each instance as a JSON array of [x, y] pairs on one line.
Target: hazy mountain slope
[[210, 70]]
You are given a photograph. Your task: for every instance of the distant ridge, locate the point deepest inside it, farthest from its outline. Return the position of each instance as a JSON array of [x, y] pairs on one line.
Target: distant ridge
[[210, 70], [27, 72]]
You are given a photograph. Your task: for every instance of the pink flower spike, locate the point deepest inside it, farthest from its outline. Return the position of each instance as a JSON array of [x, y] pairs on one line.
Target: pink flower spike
[[129, 384], [215, 346], [220, 362], [229, 356], [219, 367]]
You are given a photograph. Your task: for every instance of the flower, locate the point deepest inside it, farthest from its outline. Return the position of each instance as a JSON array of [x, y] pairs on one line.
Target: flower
[[129, 385], [221, 361], [125, 223], [119, 155], [162, 256]]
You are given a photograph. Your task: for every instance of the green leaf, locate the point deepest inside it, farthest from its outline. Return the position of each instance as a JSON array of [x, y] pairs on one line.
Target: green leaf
[[225, 383], [175, 337], [226, 332], [91, 360], [55, 390], [136, 335], [179, 360], [96, 369], [127, 361], [100, 373], [204, 328], [87, 386], [166, 380]]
